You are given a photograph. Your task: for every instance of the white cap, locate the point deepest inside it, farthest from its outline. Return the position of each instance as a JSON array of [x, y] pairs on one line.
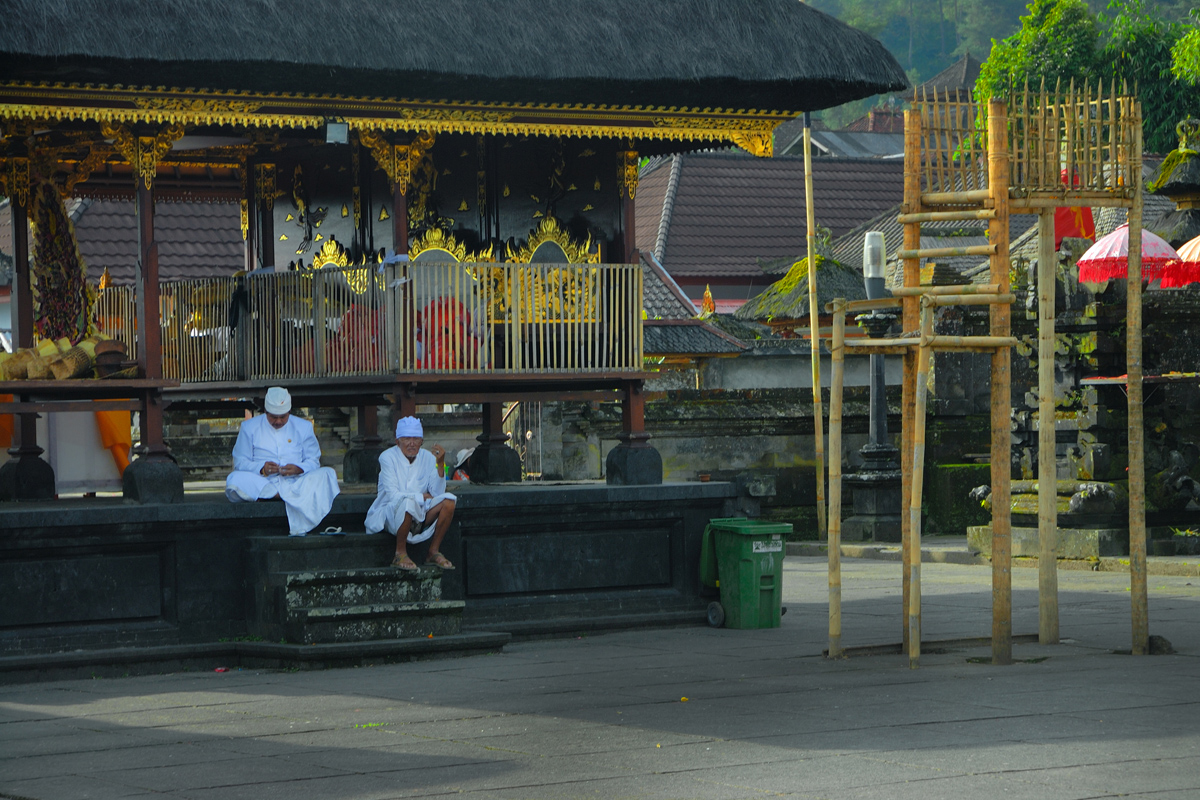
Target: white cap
[[873, 255], [409, 427], [278, 400]]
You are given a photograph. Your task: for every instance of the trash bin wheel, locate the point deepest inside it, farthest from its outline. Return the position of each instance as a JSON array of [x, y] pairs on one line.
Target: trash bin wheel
[[716, 614]]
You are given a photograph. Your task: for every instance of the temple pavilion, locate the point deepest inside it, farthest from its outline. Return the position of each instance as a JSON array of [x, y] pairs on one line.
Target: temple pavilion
[[436, 199]]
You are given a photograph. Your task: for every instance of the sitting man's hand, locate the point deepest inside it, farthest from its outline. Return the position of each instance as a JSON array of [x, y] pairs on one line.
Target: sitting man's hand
[[270, 468], [439, 453], [289, 471]]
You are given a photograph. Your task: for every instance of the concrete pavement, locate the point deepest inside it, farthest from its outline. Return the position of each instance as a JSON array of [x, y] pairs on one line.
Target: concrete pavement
[[604, 716]]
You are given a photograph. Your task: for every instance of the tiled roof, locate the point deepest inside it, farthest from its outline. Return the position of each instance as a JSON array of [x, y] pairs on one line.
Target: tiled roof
[[687, 337], [879, 120], [731, 210], [962, 75], [661, 296], [195, 240]]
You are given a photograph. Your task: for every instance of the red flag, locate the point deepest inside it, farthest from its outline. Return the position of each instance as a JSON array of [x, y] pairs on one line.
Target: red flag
[[1074, 222]]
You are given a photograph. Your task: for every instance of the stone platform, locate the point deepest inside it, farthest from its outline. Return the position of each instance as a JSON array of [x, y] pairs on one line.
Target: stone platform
[[533, 560]]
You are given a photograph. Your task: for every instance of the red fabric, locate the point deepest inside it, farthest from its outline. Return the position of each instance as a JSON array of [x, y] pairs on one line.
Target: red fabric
[[1075, 222], [1109, 258], [446, 336]]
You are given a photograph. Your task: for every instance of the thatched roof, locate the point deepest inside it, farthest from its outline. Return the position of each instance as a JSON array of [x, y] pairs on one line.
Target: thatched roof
[[787, 298], [736, 54]]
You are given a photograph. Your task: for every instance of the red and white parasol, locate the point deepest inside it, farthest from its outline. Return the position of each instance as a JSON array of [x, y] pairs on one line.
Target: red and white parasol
[[1109, 257], [1187, 269]]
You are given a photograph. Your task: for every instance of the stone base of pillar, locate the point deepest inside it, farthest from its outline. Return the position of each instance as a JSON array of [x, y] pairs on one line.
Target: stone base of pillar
[[152, 480], [877, 511], [871, 529], [630, 465], [361, 464], [494, 463], [26, 477]]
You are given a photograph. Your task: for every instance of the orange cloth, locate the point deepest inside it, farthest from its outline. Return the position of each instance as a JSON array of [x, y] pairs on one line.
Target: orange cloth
[[6, 424], [116, 434], [1075, 222]]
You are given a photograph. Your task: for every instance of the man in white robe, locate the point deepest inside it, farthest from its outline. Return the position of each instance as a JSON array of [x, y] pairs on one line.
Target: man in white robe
[[277, 455], [412, 503]]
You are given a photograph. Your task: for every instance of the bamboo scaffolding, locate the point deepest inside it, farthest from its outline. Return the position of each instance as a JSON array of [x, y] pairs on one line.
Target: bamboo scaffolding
[[1001, 401], [835, 483], [814, 327], [918, 477], [913, 125], [1139, 606], [1047, 469]]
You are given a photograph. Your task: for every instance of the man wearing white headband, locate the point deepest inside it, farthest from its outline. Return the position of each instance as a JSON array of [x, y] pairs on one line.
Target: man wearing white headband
[[412, 503], [277, 455]]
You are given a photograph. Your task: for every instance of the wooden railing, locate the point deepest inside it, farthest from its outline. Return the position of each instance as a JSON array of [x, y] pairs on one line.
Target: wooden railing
[[402, 319]]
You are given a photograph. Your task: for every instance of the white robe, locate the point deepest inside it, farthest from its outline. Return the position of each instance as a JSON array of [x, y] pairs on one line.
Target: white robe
[[402, 489], [308, 497]]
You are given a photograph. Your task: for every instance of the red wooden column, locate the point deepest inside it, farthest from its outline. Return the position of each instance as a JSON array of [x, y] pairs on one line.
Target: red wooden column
[[633, 461], [153, 477], [27, 476]]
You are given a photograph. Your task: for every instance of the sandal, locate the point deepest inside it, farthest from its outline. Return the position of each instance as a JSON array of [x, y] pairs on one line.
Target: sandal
[[403, 562], [438, 560]]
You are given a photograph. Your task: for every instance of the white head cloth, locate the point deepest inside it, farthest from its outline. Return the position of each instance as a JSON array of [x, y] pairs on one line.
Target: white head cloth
[[278, 400], [409, 427]]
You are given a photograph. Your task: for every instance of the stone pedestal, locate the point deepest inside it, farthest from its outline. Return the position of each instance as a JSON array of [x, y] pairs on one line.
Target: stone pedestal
[[26, 477], [361, 463], [494, 462], [633, 465], [877, 497], [153, 480]]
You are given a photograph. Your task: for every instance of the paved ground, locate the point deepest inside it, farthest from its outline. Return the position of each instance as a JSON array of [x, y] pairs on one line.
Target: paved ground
[[604, 716]]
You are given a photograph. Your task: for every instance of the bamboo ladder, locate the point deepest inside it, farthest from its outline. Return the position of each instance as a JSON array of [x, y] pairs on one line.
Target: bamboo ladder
[[960, 185], [1095, 138]]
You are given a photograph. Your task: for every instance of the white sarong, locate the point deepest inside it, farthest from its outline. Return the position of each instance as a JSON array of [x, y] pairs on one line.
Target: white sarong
[[402, 489], [307, 497]]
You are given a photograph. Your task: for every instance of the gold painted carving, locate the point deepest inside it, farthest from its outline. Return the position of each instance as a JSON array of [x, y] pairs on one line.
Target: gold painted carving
[[550, 231], [98, 153], [264, 184], [440, 240], [142, 152], [756, 144], [331, 254], [627, 172], [398, 161], [16, 181], [196, 109]]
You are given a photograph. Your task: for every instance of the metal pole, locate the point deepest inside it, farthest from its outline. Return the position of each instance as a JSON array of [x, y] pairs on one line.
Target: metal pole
[[1047, 469], [814, 324]]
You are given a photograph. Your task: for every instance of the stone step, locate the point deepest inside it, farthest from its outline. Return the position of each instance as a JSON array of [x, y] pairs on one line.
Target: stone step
[[358, 587], [370, 622], [276, 556]]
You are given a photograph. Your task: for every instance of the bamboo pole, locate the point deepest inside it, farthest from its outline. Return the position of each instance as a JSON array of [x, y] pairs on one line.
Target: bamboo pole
[[1001, 402], [814, 326], [914, 502], [835, 481], [912, 279], [1047, 468], [1133, 365]]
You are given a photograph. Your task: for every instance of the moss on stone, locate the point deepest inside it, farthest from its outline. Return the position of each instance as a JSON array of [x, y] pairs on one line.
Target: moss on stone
[[949, 510]]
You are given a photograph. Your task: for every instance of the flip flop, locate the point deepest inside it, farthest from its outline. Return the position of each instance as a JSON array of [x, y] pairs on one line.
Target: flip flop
[[333, 531], [404, 563], [438, 560]]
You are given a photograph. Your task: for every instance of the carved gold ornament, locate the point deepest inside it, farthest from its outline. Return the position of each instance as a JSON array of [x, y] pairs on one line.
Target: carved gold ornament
[[158, 105], [549, 230], [756, 144], [439, 240], [16, 181], [142, 152], [627, 172], [264, 184], [331, 254], [398, 161]]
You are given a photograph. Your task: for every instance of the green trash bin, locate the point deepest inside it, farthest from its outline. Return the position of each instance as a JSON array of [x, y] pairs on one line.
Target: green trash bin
[[744, 558]]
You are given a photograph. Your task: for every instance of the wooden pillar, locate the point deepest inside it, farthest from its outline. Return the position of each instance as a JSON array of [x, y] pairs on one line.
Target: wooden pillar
[[1139, 603], [910, 321], [25, 431], [1001, 401], [265, 196], [1047, 466], [149, 329], [399, 218], [249, 219], [406, 401]]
